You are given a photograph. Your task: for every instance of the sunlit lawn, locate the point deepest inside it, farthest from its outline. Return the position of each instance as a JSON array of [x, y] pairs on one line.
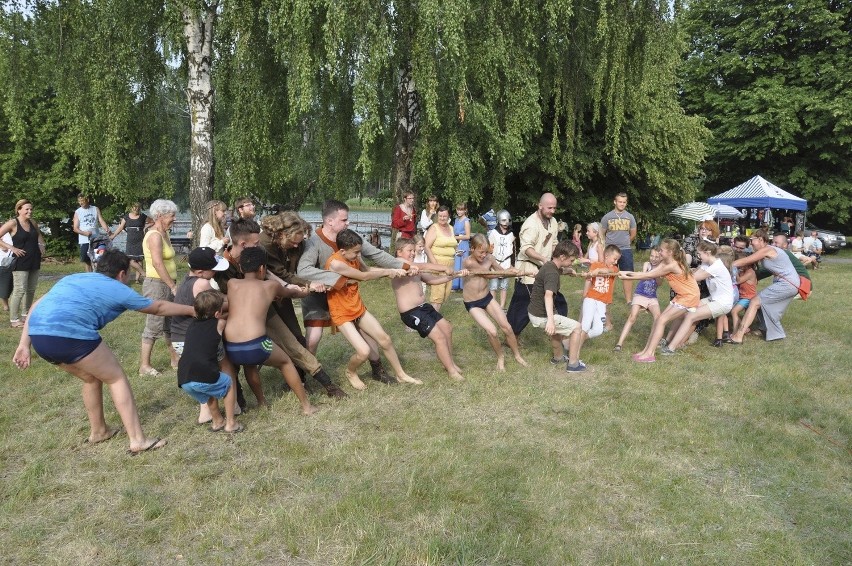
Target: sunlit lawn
[[739, 455]]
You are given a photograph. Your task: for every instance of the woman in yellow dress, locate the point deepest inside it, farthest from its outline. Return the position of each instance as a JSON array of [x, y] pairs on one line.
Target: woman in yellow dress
[[441, 247]]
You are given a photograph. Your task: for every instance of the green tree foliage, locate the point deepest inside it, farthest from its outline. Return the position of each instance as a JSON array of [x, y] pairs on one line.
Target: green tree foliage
[[773, 80], [507, 98], [87, 102], [515, 97]]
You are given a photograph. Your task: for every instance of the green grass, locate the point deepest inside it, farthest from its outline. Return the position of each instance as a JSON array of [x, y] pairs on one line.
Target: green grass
[[700, 458]]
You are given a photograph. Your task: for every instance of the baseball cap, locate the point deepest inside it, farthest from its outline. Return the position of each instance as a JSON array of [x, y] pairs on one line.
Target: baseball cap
[[206, 258]]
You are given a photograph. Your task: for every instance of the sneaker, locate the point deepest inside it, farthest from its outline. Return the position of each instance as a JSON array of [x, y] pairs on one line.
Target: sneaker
[[559, 361], [717, 343], [668, 351], [577, 368], [662, 343]]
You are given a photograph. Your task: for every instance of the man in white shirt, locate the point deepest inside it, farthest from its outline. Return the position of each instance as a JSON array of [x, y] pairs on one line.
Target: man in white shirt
[[812, 247], [86, 220]]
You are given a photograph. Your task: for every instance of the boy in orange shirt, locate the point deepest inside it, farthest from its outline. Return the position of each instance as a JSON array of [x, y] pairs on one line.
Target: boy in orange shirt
[[349, 314], [599, 292]]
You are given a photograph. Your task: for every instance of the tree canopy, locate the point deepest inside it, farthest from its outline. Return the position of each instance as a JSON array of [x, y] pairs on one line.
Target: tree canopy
[[772, 78], [488, 101]]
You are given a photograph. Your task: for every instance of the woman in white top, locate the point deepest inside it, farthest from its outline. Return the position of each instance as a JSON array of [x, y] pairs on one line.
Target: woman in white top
[[212, 234], [429, 214]]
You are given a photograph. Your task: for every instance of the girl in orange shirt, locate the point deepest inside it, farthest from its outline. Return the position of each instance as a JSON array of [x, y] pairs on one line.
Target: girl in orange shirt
[[676, 271]]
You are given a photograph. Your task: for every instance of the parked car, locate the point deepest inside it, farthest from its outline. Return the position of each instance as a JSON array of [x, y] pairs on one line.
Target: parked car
[[832, 241]]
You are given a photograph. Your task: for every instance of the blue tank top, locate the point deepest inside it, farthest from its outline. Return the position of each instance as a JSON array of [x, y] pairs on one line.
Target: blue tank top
[[647, 287]]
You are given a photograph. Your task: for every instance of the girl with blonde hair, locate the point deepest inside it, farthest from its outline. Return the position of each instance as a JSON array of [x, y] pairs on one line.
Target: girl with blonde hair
[[212, 234]]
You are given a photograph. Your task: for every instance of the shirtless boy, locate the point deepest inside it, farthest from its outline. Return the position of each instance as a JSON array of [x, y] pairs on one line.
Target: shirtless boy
[[418, 314], [479, 301], [349, 314], [246, 342]]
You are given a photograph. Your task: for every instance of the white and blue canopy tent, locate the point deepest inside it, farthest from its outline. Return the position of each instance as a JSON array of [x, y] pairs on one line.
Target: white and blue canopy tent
[[757, 192]]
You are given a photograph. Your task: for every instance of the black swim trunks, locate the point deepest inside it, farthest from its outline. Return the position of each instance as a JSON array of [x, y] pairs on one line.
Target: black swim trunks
[[422, 318], [479, 303]]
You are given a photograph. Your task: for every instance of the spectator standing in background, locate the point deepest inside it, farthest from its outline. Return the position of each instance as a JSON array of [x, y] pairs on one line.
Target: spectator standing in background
[[212, 234], [403, 215], [27, 249], [429, 215], [461, 229], [134, 223], [619, 229], [86, 220]]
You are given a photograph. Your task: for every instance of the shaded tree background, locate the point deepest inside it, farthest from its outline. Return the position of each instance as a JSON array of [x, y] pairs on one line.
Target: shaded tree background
[[773, 78], [488, 101]]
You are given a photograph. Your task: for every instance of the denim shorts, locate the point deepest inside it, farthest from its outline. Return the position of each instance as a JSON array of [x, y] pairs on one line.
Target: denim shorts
[[203, 392]]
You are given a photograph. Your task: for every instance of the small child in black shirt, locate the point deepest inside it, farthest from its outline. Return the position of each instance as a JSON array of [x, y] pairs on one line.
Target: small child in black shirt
[[199, 373]]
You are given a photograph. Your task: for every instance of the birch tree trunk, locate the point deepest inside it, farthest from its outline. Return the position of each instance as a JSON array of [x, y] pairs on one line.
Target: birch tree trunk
[[407, 127], [198, 31]]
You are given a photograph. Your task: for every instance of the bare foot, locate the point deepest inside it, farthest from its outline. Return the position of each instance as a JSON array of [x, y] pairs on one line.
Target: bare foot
[[521, 361], [237, 428], [204, 415], [310, 410], [501, 363], [405, 378], [456, 376], [217, 426], [98, 438], [355, 381]]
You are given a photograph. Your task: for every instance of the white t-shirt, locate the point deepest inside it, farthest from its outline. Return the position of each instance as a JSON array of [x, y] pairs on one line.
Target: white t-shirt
[[811, 244], [796, 245], [87, 221], [719, 283]]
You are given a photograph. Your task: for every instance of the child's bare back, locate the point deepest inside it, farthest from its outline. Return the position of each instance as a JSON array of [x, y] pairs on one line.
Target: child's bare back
[[249, 300]]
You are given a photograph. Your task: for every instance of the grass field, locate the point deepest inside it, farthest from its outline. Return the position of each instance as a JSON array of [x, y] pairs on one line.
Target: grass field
[[739, 455]]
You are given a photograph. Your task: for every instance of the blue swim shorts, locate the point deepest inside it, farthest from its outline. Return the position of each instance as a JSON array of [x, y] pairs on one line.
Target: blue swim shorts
[[252, 353], [203, 392], [58, 350], [744, 303]]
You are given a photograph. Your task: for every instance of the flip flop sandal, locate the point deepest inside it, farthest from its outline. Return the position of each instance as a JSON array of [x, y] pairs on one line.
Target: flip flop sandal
[[156, 444], [112, 434]]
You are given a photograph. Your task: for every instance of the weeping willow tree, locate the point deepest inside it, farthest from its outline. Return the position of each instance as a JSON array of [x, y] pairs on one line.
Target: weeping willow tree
[[493, 99], [473, 100]]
